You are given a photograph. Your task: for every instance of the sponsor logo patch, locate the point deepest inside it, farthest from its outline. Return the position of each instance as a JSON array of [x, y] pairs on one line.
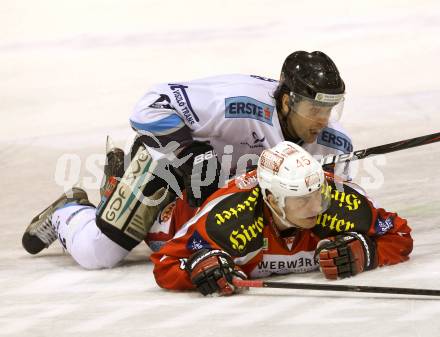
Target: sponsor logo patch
[[244, 182], [182, 99], [337, 140], [256, 143], [312, 179], [247, 107], [301, 262], [348, 211], [271, 161], [328, 98], [236, 224], [289, 150]]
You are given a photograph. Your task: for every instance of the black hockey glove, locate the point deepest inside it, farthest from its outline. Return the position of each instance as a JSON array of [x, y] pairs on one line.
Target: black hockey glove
[[200, 172], [212, 271], [346, 255]]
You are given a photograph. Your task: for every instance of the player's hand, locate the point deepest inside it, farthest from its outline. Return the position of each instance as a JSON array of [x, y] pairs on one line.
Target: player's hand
[[346, 255], [212, 271]]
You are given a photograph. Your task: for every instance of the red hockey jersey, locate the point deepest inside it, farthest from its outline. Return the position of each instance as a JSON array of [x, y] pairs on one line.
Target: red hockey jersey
[[236, 220]]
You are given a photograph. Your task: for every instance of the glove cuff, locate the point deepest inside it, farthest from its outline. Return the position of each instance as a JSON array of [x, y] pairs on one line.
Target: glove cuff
[[369, 246], [202, 254]]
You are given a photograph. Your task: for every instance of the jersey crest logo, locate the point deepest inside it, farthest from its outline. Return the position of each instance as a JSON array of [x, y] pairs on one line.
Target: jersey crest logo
[[247, 107], [383, 226], [196, 242]]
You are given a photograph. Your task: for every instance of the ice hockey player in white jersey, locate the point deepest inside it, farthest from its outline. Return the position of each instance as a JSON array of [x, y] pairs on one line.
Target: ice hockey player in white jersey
[[250, 113], [215, 127]]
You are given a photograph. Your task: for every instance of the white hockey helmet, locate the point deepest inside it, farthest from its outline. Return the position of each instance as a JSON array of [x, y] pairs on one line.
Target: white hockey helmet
[[287, 170]]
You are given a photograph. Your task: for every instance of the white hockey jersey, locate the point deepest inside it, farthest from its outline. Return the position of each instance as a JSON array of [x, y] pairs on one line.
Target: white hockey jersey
[[236, 114]]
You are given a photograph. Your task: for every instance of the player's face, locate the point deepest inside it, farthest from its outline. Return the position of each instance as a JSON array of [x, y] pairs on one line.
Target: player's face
[[304, 119], [308, 120], [302, 211]]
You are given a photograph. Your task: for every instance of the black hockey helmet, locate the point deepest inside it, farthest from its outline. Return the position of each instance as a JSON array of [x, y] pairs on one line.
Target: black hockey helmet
[[310, 74], [315, 89]]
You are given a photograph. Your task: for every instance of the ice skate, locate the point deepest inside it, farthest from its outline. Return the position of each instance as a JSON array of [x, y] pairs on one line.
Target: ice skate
[[40, 233]]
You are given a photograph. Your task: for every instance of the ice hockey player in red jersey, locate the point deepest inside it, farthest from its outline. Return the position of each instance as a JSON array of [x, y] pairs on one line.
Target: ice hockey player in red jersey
[[286, 216]]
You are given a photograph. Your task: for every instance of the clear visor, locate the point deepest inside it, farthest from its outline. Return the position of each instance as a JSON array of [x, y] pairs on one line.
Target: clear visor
[[323, 108], [308, 206]]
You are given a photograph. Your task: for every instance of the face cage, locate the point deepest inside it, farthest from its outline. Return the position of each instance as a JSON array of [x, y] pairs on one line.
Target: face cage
[[316, 110]]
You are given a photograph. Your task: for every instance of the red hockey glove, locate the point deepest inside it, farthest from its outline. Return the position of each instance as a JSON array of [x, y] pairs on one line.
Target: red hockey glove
[[212, 271], [346, 255]]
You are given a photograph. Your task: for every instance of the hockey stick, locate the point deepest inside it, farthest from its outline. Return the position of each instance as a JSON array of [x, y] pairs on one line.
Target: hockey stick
[[334, 287], [381, 149]]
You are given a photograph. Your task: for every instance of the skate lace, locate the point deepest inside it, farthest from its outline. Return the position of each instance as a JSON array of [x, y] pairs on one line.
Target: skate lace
[[45, 232]]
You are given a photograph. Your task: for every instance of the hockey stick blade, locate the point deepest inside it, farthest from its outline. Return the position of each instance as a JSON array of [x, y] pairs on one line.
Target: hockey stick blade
[[335, 287]]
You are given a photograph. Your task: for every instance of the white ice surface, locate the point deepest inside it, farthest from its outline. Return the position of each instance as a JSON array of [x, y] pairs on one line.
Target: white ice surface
[[70, 73]]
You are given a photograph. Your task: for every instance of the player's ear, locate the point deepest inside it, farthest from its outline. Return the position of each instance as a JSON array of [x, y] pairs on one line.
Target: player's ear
[[273, 202], [285, 104]]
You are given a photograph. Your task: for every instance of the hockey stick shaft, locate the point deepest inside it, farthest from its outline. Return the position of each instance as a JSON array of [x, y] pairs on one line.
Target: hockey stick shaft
[[382, 149], [335, 287]]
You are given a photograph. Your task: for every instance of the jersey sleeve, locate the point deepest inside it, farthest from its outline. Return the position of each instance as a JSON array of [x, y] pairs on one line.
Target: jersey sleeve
[[169, 262], [157, 121], [169, 271], [393, 239]]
